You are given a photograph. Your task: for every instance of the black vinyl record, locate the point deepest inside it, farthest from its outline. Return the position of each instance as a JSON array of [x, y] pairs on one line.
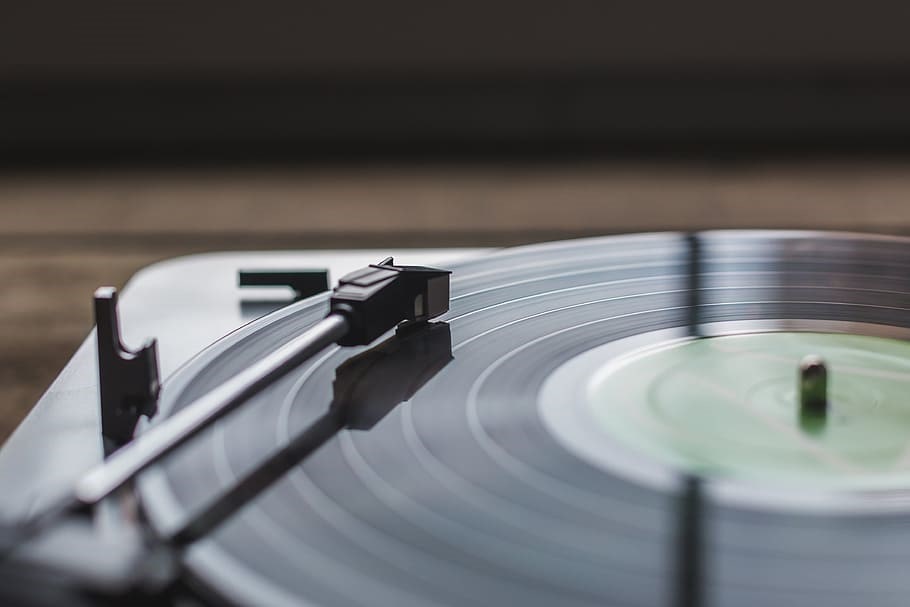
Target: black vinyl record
[[451, 488]]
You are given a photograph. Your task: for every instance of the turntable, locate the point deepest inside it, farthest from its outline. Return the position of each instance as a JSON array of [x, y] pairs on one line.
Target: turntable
[[717, 418]]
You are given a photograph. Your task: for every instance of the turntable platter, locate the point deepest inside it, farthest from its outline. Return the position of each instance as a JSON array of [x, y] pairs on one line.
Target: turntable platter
[[469, 492]]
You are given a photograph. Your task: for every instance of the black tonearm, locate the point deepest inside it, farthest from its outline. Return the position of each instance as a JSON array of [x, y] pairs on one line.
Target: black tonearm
[[365, 305]]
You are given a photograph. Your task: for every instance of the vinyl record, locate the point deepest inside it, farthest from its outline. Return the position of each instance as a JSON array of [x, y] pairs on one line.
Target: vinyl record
[[533, 446]]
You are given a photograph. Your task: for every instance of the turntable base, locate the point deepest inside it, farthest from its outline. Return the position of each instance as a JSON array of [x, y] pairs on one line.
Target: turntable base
[[662, 419]]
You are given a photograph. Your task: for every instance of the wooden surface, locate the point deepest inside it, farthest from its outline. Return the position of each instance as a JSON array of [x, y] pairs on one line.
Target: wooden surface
[[63, 234]]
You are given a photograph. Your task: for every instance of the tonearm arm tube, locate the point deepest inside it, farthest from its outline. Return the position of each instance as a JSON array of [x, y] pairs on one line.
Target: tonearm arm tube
[[366, 304]]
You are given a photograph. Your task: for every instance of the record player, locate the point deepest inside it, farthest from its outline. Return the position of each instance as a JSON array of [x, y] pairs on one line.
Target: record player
[[712, 418]]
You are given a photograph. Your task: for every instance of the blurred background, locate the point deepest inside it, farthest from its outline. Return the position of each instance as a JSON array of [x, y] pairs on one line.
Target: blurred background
[[137, 131]]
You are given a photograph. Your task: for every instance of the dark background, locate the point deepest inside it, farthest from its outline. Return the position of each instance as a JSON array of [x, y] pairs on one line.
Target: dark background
[[204, 81], [135, 131]]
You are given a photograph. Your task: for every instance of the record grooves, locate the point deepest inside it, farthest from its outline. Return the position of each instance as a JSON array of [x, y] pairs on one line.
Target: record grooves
[[451, 488]]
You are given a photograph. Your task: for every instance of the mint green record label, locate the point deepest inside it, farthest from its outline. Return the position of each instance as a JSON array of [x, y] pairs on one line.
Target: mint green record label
[[729, 406]]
